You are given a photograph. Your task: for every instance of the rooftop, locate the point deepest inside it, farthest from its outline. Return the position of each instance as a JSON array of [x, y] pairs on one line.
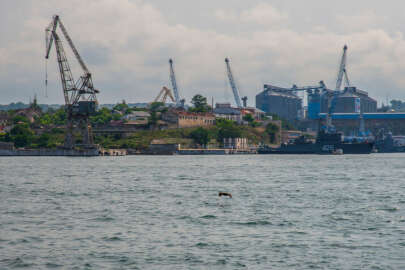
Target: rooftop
[[225, 110]]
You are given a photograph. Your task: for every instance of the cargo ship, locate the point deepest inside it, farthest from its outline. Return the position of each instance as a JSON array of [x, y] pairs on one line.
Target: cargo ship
[[326, 143]]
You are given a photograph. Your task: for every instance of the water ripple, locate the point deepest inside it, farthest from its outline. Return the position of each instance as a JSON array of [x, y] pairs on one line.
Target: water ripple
[[139, 212]]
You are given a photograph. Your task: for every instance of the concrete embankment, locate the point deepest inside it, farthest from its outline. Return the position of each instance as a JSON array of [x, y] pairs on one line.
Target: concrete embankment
[[50, 152]]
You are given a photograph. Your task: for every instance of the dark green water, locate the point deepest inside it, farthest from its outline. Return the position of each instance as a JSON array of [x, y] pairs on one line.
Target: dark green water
[[140, 212]]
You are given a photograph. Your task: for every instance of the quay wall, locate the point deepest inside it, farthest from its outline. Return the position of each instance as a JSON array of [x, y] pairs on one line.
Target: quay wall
[[49, 152]]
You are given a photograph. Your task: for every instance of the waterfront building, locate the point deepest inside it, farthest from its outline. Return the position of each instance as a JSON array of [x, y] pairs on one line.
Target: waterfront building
[[183, 119], [225, 111]]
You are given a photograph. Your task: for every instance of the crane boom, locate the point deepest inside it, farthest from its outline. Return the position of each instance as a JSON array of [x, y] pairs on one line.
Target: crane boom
[[232, 83], [73, 91], [163, 94], [174, 83], [342, 73], [72, 46]]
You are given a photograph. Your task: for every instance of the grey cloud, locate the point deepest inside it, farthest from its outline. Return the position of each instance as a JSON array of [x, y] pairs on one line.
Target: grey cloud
[[127, 44]]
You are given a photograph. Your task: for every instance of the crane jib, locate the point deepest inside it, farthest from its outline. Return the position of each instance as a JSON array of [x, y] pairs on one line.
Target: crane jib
[[80, 96]]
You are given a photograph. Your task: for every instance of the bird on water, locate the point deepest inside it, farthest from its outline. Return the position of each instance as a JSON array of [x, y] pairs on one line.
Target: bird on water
[[225, 194]]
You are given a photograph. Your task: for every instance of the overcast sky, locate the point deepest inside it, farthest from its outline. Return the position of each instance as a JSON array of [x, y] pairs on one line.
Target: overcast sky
[[127, 44]]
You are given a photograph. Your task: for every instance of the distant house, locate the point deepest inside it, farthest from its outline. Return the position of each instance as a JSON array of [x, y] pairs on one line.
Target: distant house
[[182, 119], [137, 115], [225, 111]]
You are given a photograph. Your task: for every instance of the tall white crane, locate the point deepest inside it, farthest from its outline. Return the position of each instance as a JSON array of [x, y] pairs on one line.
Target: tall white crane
[[342, 72], [177, 99], [233, 85]]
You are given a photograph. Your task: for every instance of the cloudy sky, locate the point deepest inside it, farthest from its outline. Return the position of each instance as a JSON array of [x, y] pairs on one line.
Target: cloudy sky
[[127, 44]]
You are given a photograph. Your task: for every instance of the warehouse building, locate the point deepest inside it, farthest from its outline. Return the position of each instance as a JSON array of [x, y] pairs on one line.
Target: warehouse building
[[280, 101], [351, 100]]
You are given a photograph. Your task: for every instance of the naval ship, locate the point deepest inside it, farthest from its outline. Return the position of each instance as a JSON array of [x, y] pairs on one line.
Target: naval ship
[[326, 143]]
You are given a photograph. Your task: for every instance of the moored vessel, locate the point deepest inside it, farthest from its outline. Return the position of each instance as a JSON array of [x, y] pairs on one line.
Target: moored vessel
[[326, 143]]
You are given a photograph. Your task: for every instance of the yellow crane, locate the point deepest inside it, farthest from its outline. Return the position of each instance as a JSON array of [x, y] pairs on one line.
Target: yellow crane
[[163, 94]]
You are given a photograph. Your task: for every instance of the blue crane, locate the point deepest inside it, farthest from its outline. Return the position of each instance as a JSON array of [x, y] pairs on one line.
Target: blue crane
[[179, 102], [233, 85], [342, 72], [332, 96]]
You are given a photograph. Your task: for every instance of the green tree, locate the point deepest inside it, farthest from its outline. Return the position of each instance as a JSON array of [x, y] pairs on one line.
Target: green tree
[[200, 135], [153, 119], [122, 107], [43, 140], [248, 118], [272, 130], [102, 117], [200, 104], [156, 106], [59, 117], [45, 119], [20, 118], [227, 129], [21, 135]]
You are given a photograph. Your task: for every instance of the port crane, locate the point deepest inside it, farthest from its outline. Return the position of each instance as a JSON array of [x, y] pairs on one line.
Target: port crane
[[342, 72], [342, 75], [333, 95], [179, 102], [233, 86], [80, 96], [164, 94]]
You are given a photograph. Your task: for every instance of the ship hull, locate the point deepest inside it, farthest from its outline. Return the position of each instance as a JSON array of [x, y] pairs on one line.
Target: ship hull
[[347, 148]]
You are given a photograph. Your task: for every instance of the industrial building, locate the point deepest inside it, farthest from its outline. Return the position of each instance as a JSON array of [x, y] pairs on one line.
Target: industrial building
[[350, 100], [280, 101], [349, 123]]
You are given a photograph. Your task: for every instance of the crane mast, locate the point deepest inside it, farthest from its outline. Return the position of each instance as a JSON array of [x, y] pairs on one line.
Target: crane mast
[[232, 83], [80, 96], [332, 97], [174, 84], [342, 72]]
